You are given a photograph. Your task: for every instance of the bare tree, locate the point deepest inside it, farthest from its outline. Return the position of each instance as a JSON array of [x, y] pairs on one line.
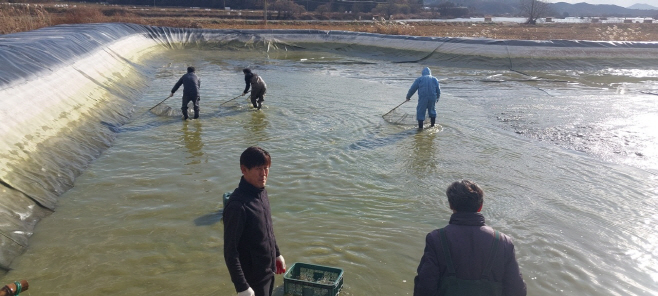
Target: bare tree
[[533, 10], [286, 9]]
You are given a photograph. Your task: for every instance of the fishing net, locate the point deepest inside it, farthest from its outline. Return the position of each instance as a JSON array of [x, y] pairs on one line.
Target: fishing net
[[167, 111], [404, 114]]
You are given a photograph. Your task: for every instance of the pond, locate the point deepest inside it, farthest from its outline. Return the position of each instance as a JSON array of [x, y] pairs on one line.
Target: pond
[[568, 165]]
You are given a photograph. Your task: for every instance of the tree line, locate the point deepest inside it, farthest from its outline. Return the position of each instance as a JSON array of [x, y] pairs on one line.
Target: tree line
[[293, 8], [308, 5], [296, 9]]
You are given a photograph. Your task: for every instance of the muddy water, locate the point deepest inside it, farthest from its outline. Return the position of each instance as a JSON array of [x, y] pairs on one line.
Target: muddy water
[[568, 163]]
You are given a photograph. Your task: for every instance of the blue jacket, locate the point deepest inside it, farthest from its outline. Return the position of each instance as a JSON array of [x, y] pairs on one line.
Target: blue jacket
[[427, 87]]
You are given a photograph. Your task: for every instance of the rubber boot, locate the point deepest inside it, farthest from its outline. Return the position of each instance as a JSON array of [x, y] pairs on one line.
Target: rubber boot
[[420, 124], [432, 120], [184, 113]]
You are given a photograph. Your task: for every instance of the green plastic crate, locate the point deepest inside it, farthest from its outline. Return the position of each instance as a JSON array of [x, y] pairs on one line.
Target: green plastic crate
[[304, 279], [225, 198]]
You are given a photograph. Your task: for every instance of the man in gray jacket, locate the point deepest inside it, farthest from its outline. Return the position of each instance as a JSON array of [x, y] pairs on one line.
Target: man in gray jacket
[[258, 87], [191, 85], [468, 257]]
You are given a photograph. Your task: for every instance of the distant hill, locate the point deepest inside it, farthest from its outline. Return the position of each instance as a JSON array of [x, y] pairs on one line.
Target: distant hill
[[589, 10], [642, 6], [511, 8]]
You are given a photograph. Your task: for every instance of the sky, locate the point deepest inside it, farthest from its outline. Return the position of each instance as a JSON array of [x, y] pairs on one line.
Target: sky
[[622, 3]]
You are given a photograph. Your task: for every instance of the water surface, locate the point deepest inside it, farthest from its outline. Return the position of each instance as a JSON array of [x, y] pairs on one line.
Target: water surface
[[567, 160]]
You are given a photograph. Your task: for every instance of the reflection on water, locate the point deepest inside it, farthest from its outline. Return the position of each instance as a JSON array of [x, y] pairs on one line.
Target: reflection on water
[[424, 150], [192, 139], [258, 124], [567, 162]]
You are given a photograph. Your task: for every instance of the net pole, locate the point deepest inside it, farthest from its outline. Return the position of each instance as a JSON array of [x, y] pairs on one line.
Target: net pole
[[222, 104], [159, 103], [395, 108]]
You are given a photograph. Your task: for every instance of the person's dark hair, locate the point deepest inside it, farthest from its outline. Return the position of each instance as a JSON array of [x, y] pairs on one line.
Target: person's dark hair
[[465, 196], [190, 69], [246, 70], [255, 156]]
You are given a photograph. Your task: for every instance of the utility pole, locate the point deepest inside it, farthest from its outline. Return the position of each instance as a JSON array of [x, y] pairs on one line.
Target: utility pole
[[265, 11]]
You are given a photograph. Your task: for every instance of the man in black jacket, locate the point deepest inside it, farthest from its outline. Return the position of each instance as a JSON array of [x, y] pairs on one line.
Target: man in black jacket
[[191, 85], [468, 257], [250, 250], [258, 88]]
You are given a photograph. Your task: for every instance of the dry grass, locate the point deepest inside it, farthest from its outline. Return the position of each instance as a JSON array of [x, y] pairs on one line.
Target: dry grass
[[598, 32], [16, 18], [19, 18]]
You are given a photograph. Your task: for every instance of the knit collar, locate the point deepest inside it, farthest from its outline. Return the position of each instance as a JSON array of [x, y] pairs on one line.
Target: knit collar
[[467, 219], [247, 187]]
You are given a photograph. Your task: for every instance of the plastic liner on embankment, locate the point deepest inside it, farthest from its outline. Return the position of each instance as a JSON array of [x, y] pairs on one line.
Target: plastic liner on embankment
[[64, 90]]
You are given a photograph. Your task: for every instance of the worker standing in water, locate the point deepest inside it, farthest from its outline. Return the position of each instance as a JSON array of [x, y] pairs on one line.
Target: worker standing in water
[[429, 92], [191, 85], [258, 88]]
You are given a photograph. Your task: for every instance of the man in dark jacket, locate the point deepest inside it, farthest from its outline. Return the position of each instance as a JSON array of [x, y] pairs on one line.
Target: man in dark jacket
[[470, 249], [191, 85], [258, 88], [250, 250]]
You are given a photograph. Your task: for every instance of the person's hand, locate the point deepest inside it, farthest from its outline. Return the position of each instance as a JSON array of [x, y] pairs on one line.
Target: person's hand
[[280, 265], [248, 292], [408, 100], [242, 95], [170, 95]]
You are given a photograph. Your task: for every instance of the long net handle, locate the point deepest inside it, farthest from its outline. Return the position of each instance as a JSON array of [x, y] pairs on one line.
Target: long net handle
[[159, 103], [395, 108], [222, 104], [147, 111]]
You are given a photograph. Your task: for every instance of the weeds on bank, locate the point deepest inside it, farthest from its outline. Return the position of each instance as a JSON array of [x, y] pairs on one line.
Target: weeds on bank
[[83, 15], [393, 28], [22, 17], [615, 33]]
